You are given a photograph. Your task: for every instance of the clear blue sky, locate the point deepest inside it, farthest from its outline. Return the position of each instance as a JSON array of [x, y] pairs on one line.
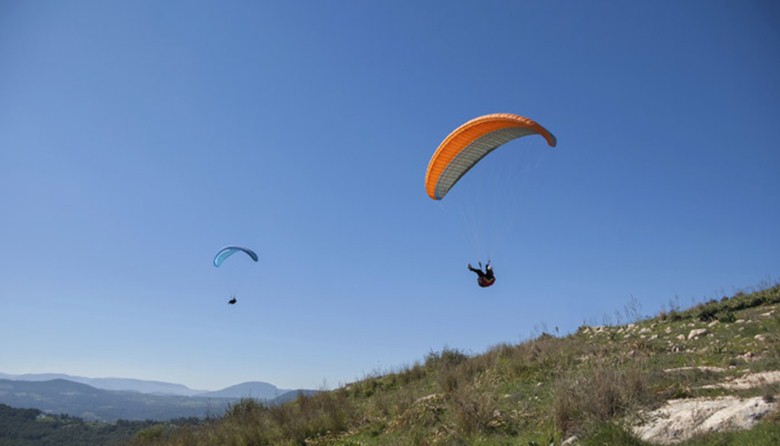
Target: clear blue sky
[[137, 138]]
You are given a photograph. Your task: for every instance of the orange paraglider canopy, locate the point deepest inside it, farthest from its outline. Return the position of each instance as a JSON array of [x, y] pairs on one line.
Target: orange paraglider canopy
[[471, 142]]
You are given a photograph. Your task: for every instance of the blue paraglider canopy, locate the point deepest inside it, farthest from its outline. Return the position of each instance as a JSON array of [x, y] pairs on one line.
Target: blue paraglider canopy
[[228, 251]]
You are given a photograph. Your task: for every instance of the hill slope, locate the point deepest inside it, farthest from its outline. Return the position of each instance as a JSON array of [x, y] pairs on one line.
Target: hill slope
[[601, 385]]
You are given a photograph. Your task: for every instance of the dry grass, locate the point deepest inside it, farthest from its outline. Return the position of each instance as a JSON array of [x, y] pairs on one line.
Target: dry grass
[[598, 394]]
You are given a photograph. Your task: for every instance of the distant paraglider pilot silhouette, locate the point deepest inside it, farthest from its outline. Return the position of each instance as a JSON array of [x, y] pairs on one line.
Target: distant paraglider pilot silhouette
[[486, 278], [232, 300]]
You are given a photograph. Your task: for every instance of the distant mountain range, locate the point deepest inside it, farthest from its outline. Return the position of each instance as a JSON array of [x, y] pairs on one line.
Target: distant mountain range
[[110, 399], [133, 385], [253, 389]]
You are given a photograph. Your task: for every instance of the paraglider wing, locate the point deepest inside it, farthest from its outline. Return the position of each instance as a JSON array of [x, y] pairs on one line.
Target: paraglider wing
[[471, 142], [228, 251]]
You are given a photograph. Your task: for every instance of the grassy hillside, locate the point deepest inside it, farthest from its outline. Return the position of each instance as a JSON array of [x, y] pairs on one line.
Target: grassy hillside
[[594, 384]]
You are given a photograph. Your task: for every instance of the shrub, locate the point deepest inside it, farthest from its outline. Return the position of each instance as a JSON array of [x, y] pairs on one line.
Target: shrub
[[472, 409], [597, 395], [447, 358], [707, 313], [445, 366]]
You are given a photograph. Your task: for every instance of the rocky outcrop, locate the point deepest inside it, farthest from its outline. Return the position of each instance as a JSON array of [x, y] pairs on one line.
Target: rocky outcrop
[[679, 420], [748, 381]]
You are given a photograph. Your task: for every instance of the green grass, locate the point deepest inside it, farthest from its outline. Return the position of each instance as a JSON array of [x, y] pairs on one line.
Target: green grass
[[547, 388]]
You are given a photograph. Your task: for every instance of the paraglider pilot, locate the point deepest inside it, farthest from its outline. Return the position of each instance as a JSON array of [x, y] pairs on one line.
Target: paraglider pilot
[[232, 300], [486, 278]]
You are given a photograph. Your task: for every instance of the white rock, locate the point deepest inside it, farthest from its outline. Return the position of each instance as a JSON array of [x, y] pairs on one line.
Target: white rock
[[749, 356], [697, 332], [679, 420], [570, 441], [749, 381], [702, 368]]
